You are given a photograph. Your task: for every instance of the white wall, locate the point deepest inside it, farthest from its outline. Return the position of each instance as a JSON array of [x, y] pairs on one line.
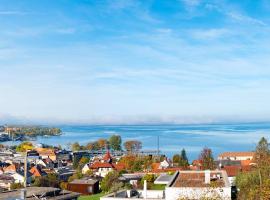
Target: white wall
[[173, 193]]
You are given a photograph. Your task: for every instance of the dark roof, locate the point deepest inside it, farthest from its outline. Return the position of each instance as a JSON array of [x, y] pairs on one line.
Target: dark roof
[[48, 192], [88, 181]]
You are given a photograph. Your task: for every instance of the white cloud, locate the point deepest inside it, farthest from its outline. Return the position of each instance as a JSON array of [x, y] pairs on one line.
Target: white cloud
[[244, 18]]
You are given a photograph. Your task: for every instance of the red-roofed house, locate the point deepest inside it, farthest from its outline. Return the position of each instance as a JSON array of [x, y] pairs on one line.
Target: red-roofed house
[[233, 170], [103, 167], [37, 172]]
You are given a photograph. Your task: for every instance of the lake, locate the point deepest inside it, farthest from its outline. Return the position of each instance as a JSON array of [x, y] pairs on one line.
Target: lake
[[172, 138]]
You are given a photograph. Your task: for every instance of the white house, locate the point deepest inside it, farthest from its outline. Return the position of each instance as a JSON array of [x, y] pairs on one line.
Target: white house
[[183, 185], [236, 156]]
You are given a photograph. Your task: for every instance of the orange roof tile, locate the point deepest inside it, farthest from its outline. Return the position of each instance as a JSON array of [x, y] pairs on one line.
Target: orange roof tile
[[97, 165], [10, 168], [35, 171], [119, 166], [232, 170], [246, 162]]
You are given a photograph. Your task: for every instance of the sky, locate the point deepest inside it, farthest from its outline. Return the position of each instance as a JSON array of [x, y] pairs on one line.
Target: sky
[[134, 61]]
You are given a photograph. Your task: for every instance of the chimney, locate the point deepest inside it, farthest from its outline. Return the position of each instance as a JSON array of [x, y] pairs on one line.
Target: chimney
[[207, 176]]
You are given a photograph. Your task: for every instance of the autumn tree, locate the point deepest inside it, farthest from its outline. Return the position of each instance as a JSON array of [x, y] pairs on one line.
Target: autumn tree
[[133, 146], [255, 184], [24, 146], [115, 142], [262, 153], [92, 146], [102, 143], [82, 162], [207, 159]]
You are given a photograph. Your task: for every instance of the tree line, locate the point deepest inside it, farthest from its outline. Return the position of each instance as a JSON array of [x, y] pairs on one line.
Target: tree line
[[114, 143]]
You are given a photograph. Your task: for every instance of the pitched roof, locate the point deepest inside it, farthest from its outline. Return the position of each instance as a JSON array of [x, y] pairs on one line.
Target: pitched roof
[[107, 156], [97, 165], [246, 162], [155, 166], [45, 151], [10, 168], [237, 154], [169, 169], [119, 166], [232, 170], [36, 171]]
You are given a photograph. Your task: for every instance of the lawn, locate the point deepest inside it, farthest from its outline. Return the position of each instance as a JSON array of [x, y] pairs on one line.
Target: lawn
[[91, 197], [158, 187]]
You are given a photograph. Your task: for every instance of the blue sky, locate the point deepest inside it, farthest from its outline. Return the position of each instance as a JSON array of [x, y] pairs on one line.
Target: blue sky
[[131, 61]]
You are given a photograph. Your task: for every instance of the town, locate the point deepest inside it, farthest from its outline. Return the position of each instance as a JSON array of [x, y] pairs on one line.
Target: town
[[109, 169]]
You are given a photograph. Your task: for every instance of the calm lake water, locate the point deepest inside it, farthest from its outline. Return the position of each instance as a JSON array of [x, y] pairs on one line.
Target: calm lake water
[[172, 138]]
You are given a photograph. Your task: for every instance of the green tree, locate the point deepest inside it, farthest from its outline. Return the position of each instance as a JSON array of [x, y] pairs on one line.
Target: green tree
[[184, 160], [115, 142], [176, 159], [108, 182], [75, 146], [207, 159], [51, 180]]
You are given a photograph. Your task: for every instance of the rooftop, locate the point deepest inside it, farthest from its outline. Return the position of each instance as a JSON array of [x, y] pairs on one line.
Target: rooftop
[[48, 192], [89, 181], [197, 179], [237, 154]]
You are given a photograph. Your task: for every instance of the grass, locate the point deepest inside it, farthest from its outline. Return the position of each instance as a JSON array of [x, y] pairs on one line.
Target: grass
[[158, 187], [92, 197]]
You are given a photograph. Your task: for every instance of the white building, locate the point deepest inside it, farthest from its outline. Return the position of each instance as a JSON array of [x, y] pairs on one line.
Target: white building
[[236, 156], [183, 185]]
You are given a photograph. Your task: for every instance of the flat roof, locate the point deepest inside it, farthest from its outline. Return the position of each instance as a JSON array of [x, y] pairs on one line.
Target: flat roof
[[164, 179], [52, 193], [84, 181]]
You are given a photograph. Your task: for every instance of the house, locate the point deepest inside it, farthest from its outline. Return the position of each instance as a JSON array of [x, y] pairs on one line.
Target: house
[[198, 185], [46, 153], [36, 171], [64, 172], [19, 176], [11, 168], [232, 172], [165, 164], [163, 167], [6, 181], [182, 185], [236, 156], [196, 165], [63, 156], [103, 166], [84, 186], [40, 193]]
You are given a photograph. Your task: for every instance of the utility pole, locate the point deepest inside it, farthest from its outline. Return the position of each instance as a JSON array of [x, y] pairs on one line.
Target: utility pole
[[158, 145], [25, 170]]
